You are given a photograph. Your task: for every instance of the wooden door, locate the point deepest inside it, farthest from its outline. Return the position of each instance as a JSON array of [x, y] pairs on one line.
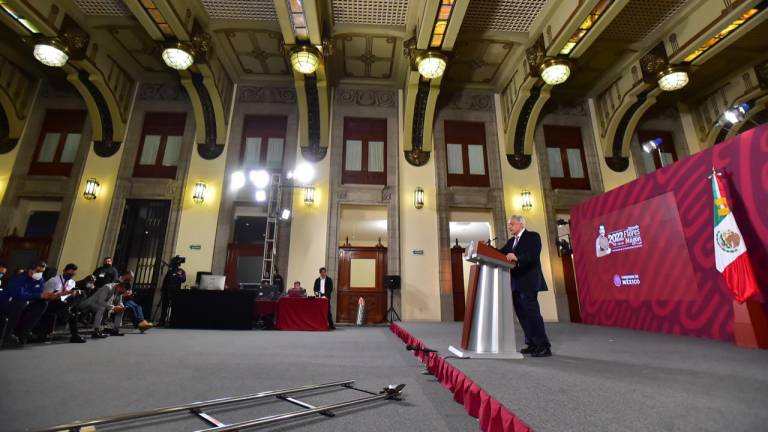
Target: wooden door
[[19, 252], [570, 288], [361, 274], [457, 281], [244, 262]]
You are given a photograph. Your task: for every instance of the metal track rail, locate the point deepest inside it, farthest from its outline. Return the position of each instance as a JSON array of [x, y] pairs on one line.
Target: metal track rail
[[390, 392]]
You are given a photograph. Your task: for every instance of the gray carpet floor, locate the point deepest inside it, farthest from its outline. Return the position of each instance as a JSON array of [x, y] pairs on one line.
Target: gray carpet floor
[[45, 385], [610, 379]]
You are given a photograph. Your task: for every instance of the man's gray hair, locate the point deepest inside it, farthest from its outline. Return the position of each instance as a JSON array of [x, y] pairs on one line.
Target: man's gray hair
[[518, 218]]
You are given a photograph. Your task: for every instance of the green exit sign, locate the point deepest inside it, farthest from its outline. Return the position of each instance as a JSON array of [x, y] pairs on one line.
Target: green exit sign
[[195, 247]]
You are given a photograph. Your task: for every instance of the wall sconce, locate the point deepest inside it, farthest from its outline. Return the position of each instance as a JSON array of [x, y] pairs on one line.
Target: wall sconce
[[91, 188], [418, 198], [309, 195], [527, 200], [198, 193]]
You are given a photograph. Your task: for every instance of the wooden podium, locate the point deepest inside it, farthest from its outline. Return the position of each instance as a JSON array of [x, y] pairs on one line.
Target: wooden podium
[[489, 319]]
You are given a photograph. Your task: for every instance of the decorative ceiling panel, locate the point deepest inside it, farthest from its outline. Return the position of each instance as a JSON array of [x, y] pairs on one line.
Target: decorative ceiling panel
[[257, 51], [257, 10], [103, 7], [374, 12], [501, 15], [137, 43], [477, 60], [367, 56], [641, 18]]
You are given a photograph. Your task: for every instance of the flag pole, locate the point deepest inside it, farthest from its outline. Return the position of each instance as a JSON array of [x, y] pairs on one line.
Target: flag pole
[[750, 320]]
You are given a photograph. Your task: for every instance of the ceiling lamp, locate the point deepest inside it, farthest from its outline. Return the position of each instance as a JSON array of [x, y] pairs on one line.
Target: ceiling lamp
[[178, 56], [555, 71], [673, 78], [305, 59], [51, 53], [431, 64]]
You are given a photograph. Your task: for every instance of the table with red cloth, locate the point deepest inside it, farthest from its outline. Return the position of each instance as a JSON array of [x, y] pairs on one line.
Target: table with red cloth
[[297, 313], [264, 307]]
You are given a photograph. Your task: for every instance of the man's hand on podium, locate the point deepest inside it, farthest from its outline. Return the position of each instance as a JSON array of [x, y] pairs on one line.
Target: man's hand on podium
[[511, 257]]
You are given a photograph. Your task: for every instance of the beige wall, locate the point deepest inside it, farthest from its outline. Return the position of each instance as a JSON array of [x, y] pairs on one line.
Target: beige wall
[[6, 168], [309, 226], [419, 274], [418, 231], [514, 182], [611, 178], [198, 222], [89, 217]]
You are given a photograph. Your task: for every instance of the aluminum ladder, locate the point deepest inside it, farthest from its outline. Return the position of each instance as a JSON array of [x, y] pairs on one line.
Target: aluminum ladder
[[270, 232], [390, 392]]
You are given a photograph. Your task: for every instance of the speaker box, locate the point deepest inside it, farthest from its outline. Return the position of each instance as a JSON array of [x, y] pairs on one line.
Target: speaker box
[[392, 282]]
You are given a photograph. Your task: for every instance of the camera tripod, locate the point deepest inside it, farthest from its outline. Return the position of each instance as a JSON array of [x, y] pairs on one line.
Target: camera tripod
[[391, 312]]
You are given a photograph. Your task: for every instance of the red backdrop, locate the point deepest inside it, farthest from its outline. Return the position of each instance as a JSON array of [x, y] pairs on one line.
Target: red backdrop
[[670, 284]]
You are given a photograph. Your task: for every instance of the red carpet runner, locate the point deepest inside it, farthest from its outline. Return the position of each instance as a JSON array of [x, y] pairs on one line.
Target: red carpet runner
[[493, 416]]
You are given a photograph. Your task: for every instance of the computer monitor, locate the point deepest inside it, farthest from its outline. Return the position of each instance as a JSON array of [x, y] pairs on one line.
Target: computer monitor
[[199, 274], [212, 282]]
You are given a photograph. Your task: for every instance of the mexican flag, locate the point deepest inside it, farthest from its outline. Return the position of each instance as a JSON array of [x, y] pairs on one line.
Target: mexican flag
[[731, 257]]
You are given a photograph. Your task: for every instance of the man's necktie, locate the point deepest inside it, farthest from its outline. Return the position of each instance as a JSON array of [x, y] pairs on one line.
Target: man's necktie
[[514, 243]]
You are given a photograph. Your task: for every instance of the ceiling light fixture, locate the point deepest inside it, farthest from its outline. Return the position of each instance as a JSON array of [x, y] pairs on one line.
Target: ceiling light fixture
[[305, 59], [178, 55], [431, 64], [673, 78], [51, 52], [555, 71]]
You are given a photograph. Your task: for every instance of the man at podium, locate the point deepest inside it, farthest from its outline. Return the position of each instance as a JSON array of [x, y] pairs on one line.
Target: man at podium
[[523, 249]]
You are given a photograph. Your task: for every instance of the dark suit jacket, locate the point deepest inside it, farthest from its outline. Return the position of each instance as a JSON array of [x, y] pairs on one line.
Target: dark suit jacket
[[527, 276], [328, 286]]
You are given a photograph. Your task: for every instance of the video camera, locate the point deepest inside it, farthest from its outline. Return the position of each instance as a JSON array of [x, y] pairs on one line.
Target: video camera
[[177, 261]]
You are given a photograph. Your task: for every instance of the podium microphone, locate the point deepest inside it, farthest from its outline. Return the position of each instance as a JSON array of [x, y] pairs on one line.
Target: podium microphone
[[490, 241], [417, 349]]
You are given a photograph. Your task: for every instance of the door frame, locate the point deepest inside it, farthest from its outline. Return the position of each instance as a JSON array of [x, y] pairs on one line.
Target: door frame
[[234, 251], [377, 297]]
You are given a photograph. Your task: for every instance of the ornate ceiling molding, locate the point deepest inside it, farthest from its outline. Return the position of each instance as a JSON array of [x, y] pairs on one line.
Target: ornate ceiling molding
[[366, 97], [275, 95], [17, 90], [162, 92]]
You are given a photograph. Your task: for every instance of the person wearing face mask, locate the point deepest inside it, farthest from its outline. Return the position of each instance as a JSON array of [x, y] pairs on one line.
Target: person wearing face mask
[[106, 300], [24, 302], [60, 309], [106, 273]]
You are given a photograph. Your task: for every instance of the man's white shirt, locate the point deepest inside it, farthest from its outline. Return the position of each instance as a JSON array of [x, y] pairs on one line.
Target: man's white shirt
[[57, 283], [322, 286]]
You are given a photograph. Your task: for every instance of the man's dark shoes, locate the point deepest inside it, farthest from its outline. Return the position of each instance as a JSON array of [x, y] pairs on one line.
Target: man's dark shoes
[[77, 339], [116, 332], [530, 349], [98, 335], [542, 352]]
